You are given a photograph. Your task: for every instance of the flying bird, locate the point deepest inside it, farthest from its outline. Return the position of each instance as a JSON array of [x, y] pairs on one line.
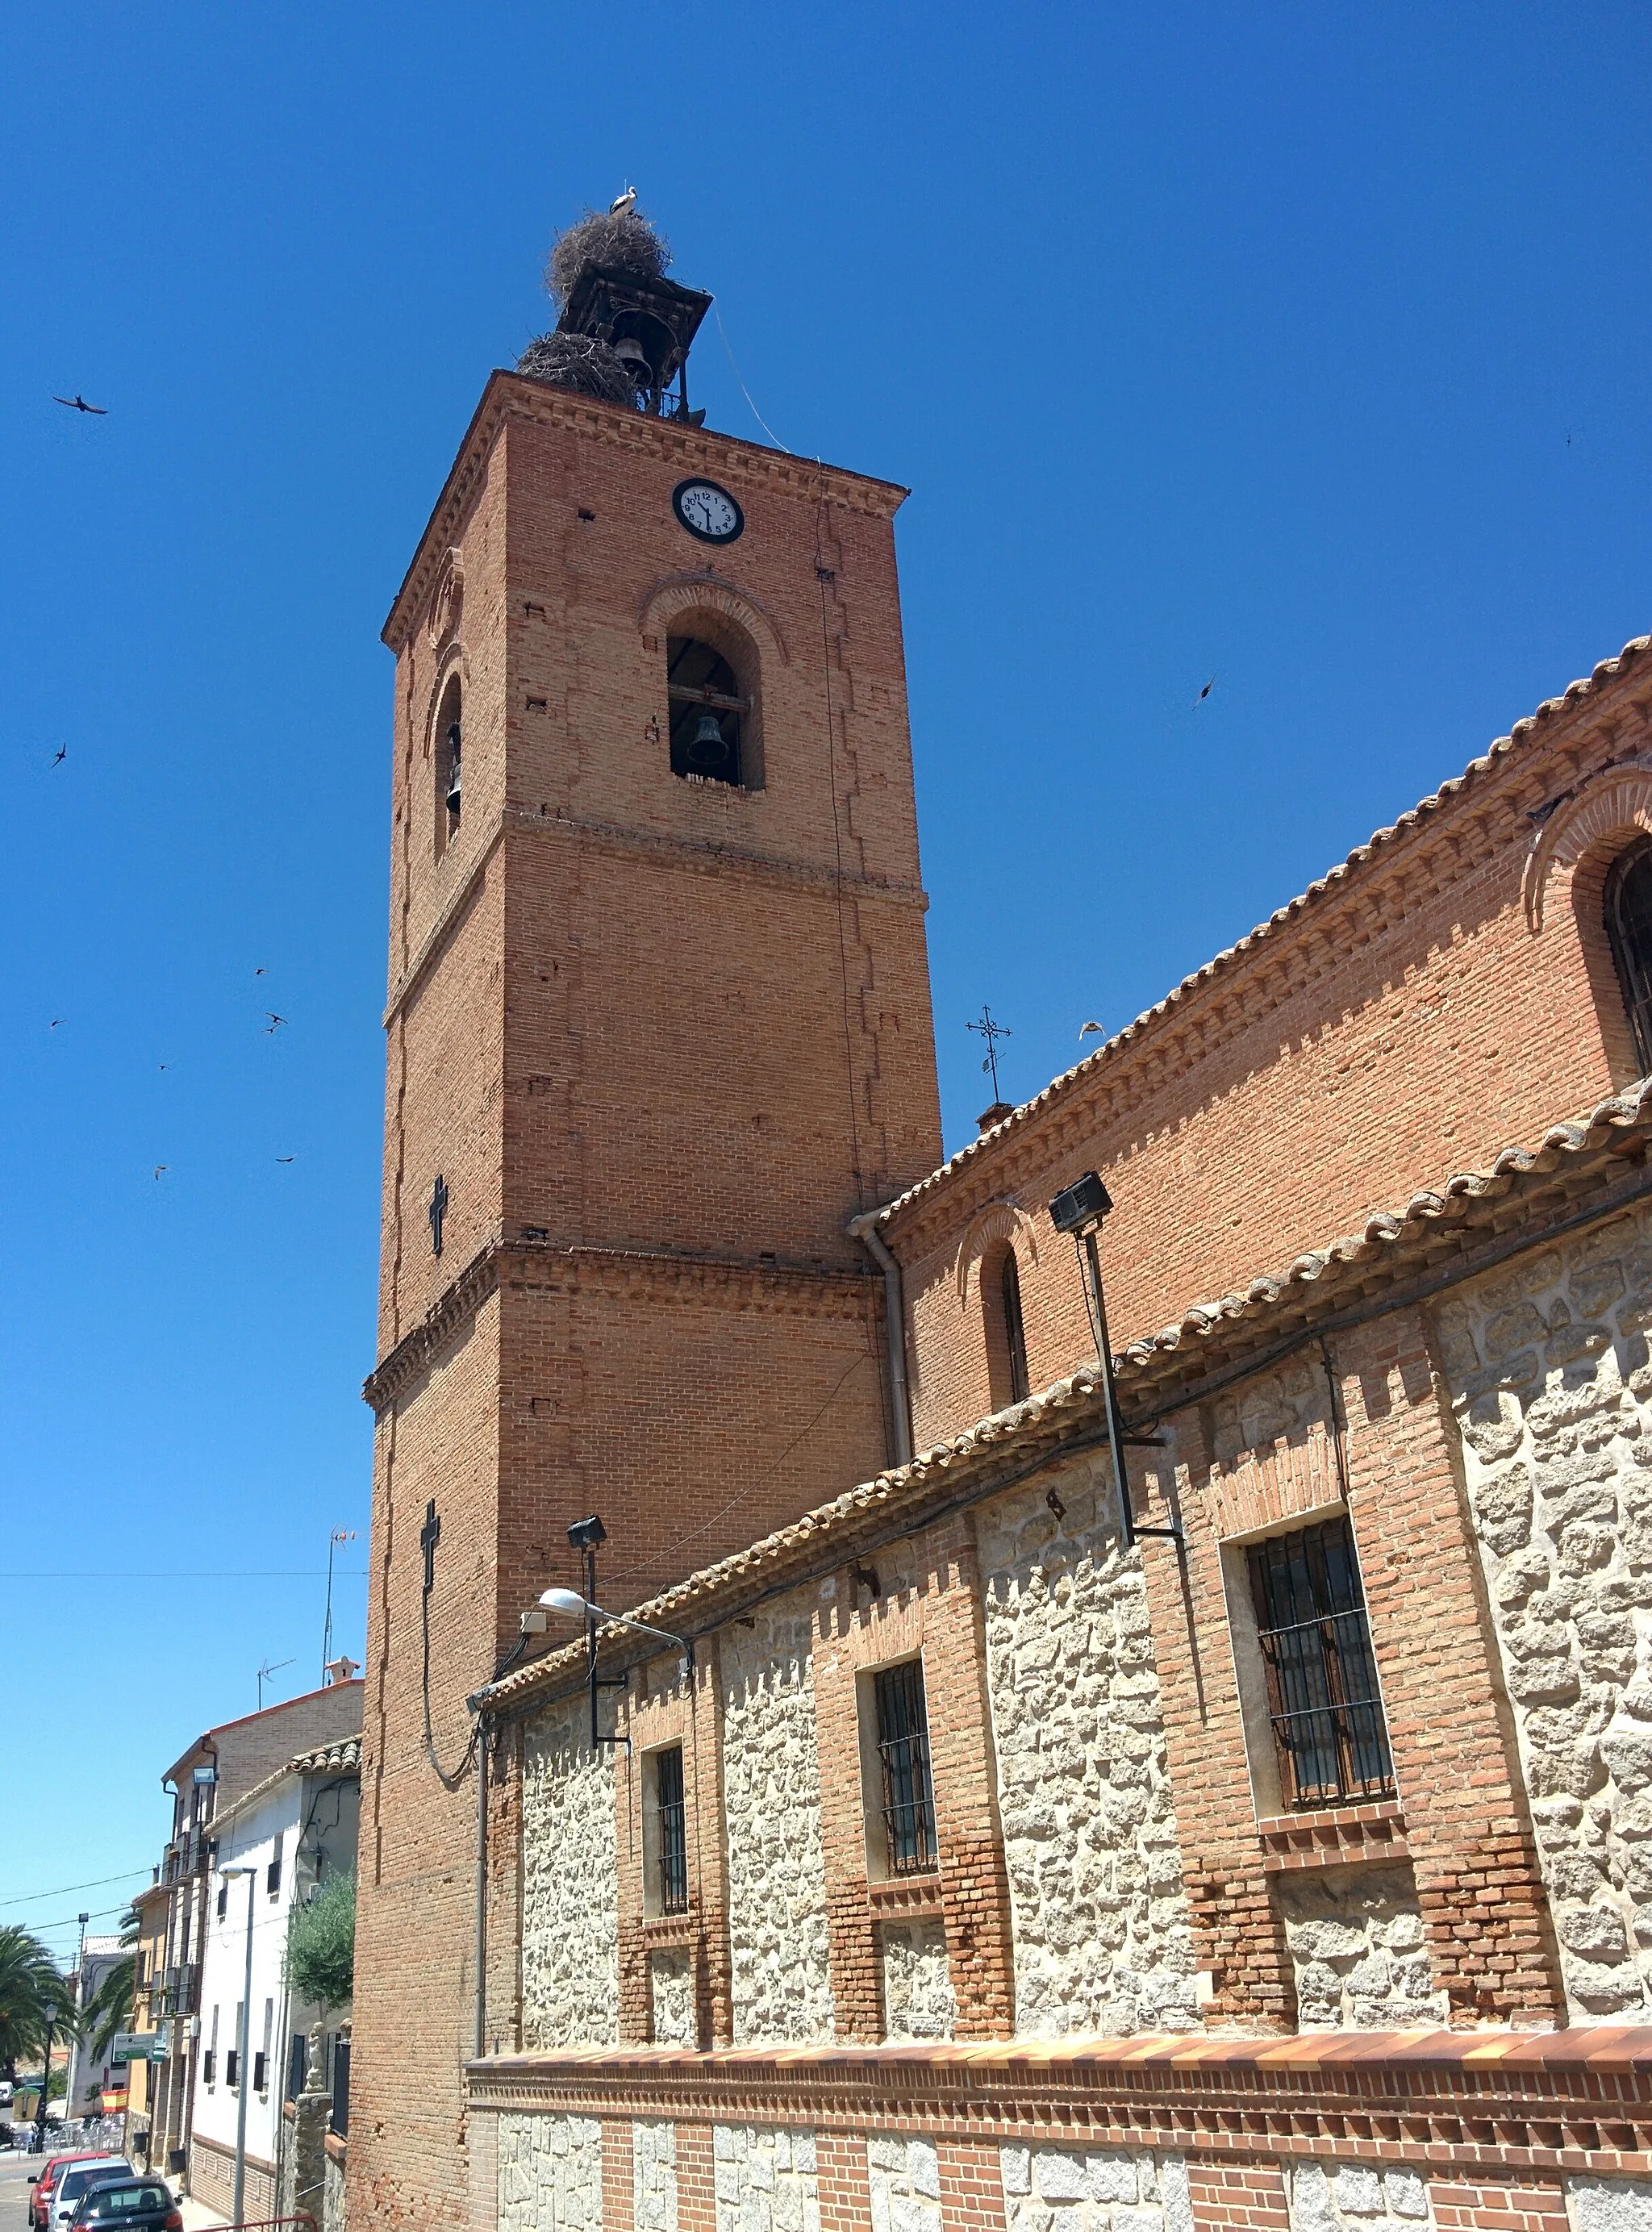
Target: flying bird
[[80, 403], [1085, 1030], [58, 1019], [60, 755], [159, 1167], [1206, 691], [275, 1021], [261, 972], [286, 1158], [623, 204]]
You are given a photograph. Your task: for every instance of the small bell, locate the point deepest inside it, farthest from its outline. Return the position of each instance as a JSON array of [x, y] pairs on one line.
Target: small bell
[[707, 747]]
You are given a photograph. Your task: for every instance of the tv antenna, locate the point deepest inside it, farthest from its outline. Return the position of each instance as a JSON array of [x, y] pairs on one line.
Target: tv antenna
[[992, 1032], [264, 1673], [335, 1540]]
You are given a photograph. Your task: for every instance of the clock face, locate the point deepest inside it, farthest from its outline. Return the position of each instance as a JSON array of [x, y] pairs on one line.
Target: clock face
[[708, 512]]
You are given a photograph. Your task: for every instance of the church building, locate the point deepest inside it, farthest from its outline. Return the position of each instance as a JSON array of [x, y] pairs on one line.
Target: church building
[[1123, 1693]]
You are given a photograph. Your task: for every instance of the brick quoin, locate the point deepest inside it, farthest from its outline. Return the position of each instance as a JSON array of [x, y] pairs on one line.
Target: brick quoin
[[1237, 2196], [972, 2187], [1497, 2207], [841, 2181], [618, 2176], [617, 1030]]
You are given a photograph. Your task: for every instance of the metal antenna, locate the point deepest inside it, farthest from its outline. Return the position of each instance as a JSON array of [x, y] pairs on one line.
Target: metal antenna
[[264, 1673], [992, 1032], [334, 1540]]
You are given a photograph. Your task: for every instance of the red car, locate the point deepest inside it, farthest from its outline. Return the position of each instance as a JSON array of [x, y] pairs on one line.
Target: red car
[[40, 2200]]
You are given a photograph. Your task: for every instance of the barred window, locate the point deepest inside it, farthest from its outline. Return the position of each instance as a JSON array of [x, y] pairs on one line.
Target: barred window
[[1014, 1327], [1322, 1697], [1629, 928], [904, 1756], [673, 1831]]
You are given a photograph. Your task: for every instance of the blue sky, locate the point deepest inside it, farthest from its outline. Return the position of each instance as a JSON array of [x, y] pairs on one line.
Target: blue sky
[[1304, 348]]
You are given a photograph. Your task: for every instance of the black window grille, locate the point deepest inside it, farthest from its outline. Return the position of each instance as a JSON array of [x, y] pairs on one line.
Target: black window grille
[[297, 2062], [209, 2064], [231, 2068], [1015, 1329], [707, 711], [272, 1874], [673, 1831], [1322, 1697], [340, 2118], [903, 1753], [1629, 928], [260, 2063]]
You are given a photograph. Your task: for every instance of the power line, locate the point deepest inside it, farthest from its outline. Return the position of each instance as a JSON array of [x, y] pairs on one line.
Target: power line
[[203, 1573], [95, 1883]]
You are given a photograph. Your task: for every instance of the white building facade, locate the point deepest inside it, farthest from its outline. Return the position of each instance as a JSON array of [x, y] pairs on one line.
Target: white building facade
[[294, 1830]]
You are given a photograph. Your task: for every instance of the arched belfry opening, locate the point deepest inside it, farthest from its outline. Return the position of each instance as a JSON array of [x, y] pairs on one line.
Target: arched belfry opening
[[1629, 929], [711, 687], [448, 756]]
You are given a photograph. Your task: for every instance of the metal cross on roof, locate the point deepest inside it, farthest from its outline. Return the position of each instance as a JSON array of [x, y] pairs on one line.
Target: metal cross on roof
[[436, 1212], [428, 1536], [992, 1032]]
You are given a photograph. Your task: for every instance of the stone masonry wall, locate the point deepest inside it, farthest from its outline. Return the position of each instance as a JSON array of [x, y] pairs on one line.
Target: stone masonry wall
[[903, 2184], [1356, 2197], [1356, 1947], [653, 2147], [1102, 1935], [777, 1902], [670, 1994], [1550, 1384], [1094, 2189], [570, 1914], [764, 2179], [918, 1985], [550, 2174]]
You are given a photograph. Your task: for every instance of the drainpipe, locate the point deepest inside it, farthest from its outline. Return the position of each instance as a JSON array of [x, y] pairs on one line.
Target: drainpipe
[[482, 1882], [865, 1228]]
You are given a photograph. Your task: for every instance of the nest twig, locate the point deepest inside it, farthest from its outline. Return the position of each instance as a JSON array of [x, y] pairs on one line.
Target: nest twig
[[580, 362], [627, 243]]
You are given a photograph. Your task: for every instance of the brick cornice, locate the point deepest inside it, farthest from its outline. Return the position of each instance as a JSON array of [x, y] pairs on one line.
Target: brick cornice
[[1439, 842], [1578, 2100], [508, 395], [652, 1273]]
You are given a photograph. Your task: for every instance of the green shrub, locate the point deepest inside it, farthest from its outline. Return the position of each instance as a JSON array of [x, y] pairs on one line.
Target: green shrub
[[321, 1944]]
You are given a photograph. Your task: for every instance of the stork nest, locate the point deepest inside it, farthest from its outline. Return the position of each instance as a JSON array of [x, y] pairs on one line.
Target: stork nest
[[627, 243], [581, 362]]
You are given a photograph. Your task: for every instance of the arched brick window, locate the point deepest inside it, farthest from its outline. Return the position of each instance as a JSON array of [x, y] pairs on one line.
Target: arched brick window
[[1006, 1329], [1629, 928], [711, 687], [449, 755]]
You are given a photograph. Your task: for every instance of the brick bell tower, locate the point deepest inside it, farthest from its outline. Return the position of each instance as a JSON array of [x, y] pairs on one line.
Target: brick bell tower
[[659, 1026]]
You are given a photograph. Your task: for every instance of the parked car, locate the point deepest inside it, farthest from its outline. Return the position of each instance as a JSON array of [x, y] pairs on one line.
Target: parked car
[[77, 2175], [133, 2204], [47, 2176]]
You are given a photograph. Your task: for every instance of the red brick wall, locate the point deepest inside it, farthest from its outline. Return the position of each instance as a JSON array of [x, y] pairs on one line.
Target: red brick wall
[[1404, 1026], [1237, 2196], [680, 1033]]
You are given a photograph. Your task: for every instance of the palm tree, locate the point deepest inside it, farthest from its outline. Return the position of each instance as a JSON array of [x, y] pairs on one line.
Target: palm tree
[[109, 2008], [29, 1984]]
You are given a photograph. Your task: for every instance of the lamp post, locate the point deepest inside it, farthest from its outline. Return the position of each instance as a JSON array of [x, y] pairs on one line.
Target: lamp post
[[244, 2074], [75, 2035], [50, 2013], [569, 1601]]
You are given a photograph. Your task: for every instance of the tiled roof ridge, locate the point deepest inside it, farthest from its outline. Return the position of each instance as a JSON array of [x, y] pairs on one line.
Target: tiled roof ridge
[[1606, 670], [342, 1754], [1426, 1209]]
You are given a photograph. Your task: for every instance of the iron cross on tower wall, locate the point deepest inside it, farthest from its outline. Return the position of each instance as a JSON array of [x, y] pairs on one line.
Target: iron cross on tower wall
[[436, 1212], [428, 1536]]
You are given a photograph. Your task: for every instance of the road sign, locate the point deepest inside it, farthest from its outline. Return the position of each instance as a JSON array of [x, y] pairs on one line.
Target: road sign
[[140, 2045]]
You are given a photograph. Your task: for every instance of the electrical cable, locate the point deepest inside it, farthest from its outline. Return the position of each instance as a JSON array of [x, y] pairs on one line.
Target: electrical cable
[[823, 574], [95, 1883], [745, 391]]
